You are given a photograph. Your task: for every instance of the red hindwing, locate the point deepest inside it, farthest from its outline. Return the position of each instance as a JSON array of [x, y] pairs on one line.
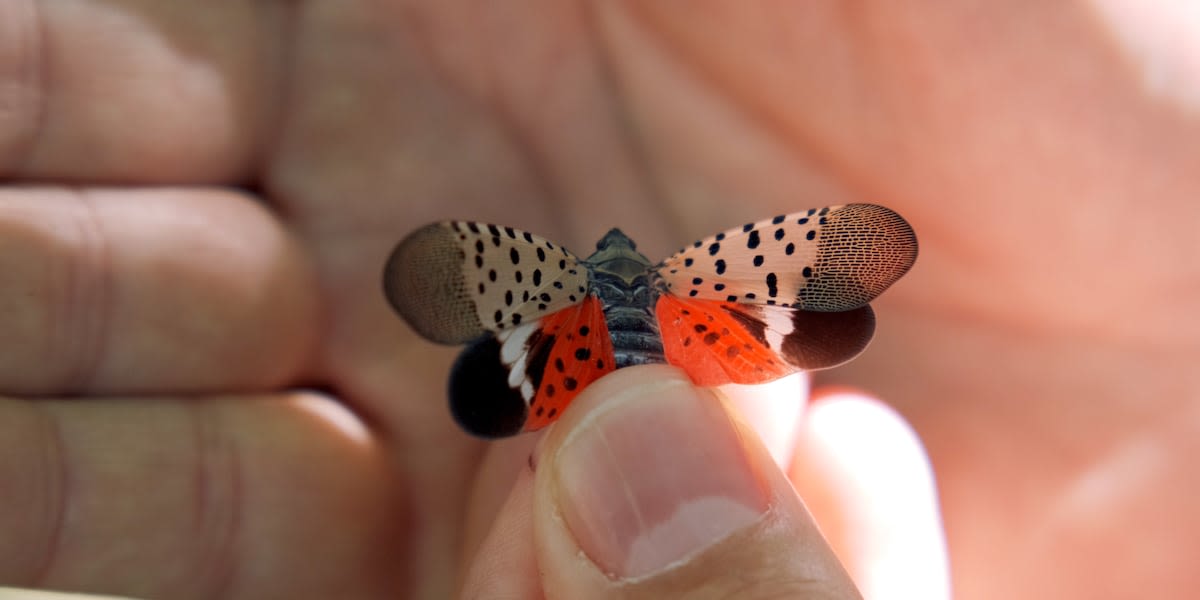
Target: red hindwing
[[728, 342], [580, 352], [712, 341]]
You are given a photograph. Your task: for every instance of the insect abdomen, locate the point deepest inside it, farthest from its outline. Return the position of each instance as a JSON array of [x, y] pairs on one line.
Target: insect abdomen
[[635, 336], [631, 322]]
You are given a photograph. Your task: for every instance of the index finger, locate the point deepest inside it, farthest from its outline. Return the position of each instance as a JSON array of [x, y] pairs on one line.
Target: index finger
[[156, 290], [134, 91]]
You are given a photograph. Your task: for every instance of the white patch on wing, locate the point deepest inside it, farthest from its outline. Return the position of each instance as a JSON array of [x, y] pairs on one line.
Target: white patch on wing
[[514, 341], [779, 325], [516, 373], [527, 391]]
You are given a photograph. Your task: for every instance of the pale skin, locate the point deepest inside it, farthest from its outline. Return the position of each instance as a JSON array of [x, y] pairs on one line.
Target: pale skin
[[199, 199]]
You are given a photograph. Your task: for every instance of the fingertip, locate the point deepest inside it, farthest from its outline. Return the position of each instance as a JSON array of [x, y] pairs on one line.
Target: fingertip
[[651, 488], [774, 410], [505, 565], [10, 593], [865, 475]]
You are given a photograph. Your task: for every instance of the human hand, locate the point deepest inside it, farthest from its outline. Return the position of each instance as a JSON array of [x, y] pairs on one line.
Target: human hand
[[354, 123], [649, 488], [164, 329]]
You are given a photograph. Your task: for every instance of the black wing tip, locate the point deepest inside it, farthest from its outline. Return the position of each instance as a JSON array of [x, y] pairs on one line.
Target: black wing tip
[[824, 340], [481, 401], [485, 424]]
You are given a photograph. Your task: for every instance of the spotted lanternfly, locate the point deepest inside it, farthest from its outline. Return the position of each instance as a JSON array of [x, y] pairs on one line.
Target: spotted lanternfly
[[748, 305]]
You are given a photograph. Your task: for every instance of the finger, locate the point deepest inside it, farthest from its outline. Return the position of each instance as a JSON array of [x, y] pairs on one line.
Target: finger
[[865, 476], [241, 497], [503, 462], [136, 91], [9, 593], [648, 488], [774, 410], [124, 291], [505, 565]]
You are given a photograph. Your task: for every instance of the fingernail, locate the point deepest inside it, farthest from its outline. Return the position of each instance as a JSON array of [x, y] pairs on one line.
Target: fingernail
[[655, 476]]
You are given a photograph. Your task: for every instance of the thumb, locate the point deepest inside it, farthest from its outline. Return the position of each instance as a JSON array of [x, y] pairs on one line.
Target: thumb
[[648, 488]]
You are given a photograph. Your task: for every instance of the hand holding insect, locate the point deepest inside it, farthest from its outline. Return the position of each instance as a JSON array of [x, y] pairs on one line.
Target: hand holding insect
[[206, 395]]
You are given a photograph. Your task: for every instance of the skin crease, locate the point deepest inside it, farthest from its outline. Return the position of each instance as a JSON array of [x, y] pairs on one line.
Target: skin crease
[[1043, 347]]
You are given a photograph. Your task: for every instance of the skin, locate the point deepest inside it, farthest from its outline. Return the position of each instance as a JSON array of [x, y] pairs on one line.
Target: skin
[[205, 390]]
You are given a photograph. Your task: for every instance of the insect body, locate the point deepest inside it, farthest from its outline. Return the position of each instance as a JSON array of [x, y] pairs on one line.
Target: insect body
[[748, 305]]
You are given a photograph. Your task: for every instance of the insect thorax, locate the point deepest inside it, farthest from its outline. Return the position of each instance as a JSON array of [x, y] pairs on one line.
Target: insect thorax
[[623, 280]]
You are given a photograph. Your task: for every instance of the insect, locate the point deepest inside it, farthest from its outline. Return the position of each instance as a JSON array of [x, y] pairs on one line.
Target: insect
[[748, 305]]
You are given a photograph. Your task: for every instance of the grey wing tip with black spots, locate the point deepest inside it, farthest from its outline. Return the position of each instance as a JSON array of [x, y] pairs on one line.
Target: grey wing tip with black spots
[[423, 282], [862, 250]]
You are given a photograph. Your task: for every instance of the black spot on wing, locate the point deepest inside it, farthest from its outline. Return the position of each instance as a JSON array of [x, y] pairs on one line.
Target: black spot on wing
[[481, 400]]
